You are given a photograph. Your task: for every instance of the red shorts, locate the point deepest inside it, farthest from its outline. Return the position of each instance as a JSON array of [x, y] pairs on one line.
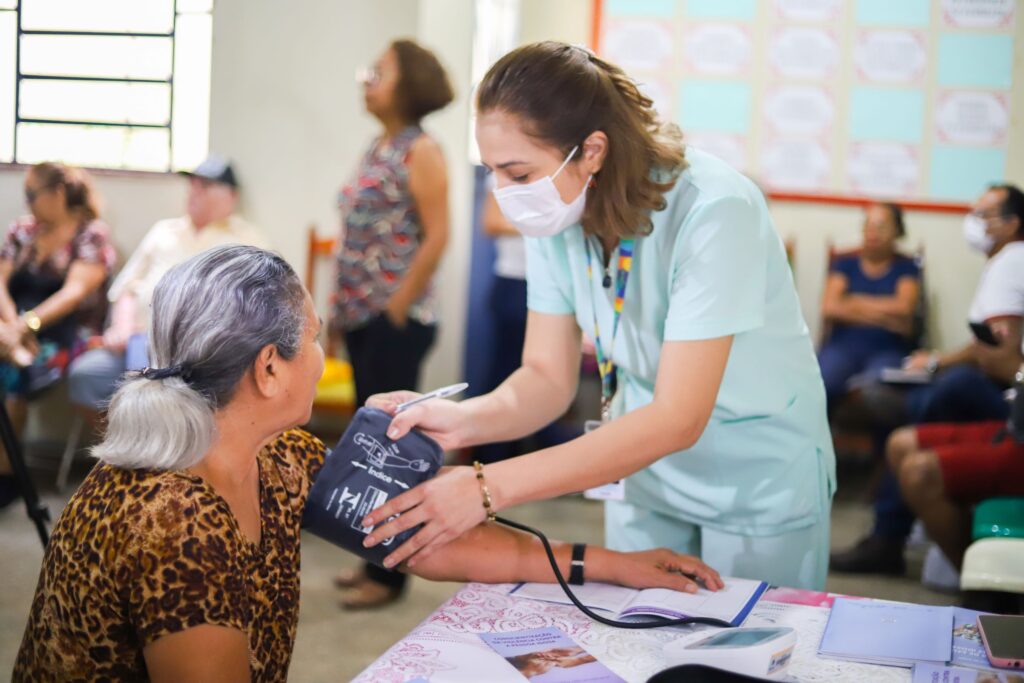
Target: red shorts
[[974, 468]]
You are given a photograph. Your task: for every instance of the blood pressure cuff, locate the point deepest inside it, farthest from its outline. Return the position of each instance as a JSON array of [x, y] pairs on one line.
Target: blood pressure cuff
[[360, 474]]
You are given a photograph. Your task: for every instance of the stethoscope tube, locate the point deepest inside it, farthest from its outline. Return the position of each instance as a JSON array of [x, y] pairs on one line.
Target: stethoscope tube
[[659, 623]]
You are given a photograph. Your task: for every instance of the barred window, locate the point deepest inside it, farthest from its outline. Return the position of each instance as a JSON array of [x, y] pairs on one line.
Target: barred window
[[121, 84]]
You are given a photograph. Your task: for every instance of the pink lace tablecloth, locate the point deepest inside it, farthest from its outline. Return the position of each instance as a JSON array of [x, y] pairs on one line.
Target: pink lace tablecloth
[[446, 647]]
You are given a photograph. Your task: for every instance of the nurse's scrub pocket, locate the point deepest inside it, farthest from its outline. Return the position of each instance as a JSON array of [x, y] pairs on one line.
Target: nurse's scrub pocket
[[614, 491]]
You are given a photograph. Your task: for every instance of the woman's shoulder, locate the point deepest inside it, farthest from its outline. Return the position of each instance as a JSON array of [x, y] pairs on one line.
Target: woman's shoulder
[[96, 226], [297, 442], [848, 259], [713, 178], [140, 504], [93, 243], [424, 152], [23, 227], [905, 265], [299, 456], [95, 231]]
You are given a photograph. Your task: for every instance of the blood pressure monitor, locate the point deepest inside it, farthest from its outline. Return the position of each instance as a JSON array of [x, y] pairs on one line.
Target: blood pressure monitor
[[764, 652]]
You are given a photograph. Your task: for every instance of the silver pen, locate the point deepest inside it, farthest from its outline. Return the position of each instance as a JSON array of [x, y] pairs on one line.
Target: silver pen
[[443, 392]]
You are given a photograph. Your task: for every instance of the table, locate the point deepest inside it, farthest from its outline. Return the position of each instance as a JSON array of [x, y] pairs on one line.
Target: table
[[445, 647]]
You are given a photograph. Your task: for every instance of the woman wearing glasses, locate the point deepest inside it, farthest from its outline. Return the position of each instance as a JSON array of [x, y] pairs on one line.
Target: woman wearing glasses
[[394, 217], [53, 263]]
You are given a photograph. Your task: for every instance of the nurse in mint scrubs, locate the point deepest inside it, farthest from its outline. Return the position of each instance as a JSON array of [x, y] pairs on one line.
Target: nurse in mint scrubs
[[714, 408]]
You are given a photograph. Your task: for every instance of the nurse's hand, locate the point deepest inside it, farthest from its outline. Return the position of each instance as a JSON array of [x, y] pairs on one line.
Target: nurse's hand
[[447, 506], [660, 568], [444, 421]]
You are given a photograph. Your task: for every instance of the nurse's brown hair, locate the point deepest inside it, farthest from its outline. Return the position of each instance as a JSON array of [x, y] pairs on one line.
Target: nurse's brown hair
[[561, 94]]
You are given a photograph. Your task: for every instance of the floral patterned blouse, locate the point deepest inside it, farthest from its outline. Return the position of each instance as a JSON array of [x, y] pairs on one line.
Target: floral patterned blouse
[[32, 281], [141, 554], [381, 232]]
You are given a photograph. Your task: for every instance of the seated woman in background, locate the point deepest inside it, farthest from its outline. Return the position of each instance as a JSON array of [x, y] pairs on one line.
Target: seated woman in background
[[53, 264], [178, 558], [869, 303]]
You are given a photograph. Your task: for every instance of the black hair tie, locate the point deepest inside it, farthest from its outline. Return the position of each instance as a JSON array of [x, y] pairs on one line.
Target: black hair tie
[[164, 373]]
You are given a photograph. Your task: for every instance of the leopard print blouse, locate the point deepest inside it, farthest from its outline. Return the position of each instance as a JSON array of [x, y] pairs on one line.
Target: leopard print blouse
[[137, 555]]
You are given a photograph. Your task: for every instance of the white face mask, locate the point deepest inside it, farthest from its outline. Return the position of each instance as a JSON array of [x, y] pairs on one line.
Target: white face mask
[[536, 209], [976, 234]]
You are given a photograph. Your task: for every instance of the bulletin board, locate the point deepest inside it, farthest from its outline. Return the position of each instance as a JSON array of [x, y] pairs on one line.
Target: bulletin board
[[840, 99]]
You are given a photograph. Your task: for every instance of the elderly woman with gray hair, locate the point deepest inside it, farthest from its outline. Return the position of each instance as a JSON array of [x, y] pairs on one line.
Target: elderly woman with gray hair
[[178, 558]]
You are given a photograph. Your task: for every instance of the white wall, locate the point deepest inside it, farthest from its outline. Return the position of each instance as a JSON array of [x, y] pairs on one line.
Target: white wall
[[566, 20], [287, 108], [446, 27]]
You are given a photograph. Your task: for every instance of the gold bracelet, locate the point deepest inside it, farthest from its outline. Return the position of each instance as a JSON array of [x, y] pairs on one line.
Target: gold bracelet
[[483, 491], [31, 320]]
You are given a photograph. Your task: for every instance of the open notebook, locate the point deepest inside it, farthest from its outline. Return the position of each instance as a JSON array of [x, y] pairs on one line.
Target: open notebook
[[732, 603]]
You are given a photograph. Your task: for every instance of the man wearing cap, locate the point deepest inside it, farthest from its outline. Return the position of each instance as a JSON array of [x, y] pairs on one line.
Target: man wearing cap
[[210, 221]]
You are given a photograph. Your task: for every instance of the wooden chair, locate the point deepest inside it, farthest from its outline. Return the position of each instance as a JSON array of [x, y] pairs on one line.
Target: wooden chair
[[317, 247], [335, 392]]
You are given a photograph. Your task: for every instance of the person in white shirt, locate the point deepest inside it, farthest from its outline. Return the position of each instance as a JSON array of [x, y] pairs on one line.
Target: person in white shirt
[[968, 387], [210, 221]]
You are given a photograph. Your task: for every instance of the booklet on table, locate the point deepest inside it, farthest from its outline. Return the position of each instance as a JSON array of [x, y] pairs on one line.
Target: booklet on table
[[732, 603], [547, 655]]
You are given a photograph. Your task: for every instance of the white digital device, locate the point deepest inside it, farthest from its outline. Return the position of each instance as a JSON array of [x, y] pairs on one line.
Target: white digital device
[[763, 652]]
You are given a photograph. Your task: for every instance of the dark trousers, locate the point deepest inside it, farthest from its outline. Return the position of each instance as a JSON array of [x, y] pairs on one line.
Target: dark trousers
[[841, 360], [508, 305], [963, 393], [387, 358]]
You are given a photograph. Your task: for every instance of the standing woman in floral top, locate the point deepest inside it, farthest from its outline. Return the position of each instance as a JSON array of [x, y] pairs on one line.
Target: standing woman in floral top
[[395, 227], [52, 265]]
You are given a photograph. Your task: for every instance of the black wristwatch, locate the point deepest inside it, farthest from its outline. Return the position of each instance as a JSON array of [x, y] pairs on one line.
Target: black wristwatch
[[576, 566]]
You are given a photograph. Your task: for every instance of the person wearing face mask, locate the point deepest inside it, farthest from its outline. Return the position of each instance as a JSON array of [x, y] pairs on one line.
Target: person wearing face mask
[[713, 407], [964, 387], [968, 384]]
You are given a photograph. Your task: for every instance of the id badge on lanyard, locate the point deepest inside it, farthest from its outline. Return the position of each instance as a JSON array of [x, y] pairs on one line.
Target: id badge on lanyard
[[606, 366]]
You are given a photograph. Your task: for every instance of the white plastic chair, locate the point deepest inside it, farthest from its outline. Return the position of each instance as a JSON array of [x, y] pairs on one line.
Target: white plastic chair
[[994, 564]]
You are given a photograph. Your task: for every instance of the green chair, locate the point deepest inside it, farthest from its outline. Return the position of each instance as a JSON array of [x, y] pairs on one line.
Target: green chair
[[995, 561], [999, 518]]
